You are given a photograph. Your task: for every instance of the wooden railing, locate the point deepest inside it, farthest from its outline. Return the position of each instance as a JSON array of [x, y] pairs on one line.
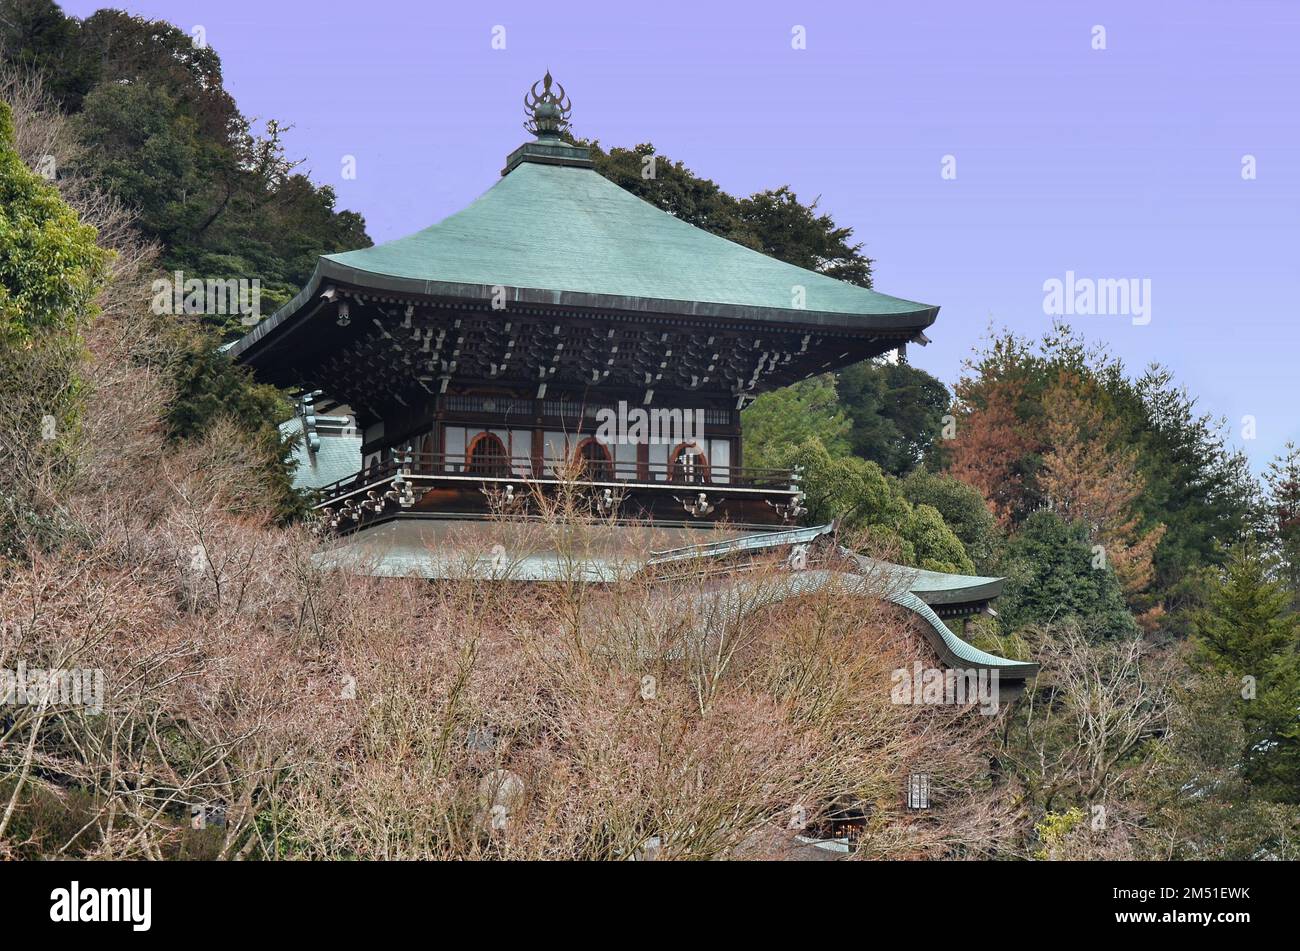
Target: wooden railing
[[523, 469]]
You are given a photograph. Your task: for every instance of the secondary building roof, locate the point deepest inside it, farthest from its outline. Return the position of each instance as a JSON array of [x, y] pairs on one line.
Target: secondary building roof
[[532, 552]]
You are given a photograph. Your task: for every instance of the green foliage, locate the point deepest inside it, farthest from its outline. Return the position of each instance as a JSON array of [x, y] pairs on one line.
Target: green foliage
[[773, 221], [879, 412], [1248, 631], [1051, 577], [1052, 830], [1195, 485], [781, 419], [934, 545], [864, 499], [211, 387], [896, 412], [1200, 803], [1281, 516], [963, 510], [50, 266], [795, 233], [143, 149], [157, 130], [35, 35], [50, 271], [224, 204]]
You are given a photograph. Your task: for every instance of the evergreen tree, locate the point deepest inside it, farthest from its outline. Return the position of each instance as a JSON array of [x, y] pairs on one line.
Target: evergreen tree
[[896, 412], [779, 420], [1248, 631], [50, 266], [1282, 516], [50, 272], [772, 221], [963, 510], [1055, 574], [864, 499]]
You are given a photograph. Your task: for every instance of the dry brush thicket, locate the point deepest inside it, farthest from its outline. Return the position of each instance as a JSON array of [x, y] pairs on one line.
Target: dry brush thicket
[[334, 716]]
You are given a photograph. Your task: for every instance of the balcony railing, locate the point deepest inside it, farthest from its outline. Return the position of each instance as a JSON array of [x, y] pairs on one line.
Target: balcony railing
[[500, 469]]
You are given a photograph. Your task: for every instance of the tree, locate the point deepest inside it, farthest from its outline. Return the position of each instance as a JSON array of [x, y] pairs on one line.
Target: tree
[[1196, 486], [1054, 423], [50, 267], [993, 451], [50, 272], [36, 36], [963, 510], [864, 499], [154, 130], [1054, 574], [1090, 476], [145, 152], [1081, 739], [781, 419], [795, 233], [158, 131], [896, 410], [1248, 631], [1198, 803], [772, 221], [1282, 516]]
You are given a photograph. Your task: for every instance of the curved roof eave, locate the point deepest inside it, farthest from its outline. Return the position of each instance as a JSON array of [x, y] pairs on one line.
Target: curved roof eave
[[327, 270]]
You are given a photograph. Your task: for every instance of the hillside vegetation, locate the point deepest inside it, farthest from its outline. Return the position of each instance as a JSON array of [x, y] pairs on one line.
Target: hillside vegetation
[[149, 530]]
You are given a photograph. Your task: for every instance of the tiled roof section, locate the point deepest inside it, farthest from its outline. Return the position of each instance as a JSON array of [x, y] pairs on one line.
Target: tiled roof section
[[445, 549], [565, 236], [934, 587], [337, 458], [571, 230], [954, 651]]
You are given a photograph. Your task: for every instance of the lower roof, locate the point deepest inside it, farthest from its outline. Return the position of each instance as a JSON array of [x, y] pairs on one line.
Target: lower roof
[[603, 553]]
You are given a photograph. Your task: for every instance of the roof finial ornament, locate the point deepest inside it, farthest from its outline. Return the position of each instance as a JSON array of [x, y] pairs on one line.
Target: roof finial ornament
[[548, 112]]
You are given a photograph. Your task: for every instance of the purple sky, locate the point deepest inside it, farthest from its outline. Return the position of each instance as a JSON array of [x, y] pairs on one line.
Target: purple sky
[[1122, 163]]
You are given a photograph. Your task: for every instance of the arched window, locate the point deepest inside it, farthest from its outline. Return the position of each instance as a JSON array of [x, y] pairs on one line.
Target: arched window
[[487, 456], [594, 459], [688, 463]]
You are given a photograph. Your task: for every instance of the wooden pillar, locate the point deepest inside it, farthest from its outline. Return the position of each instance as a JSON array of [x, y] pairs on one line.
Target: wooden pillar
[[539, 449]]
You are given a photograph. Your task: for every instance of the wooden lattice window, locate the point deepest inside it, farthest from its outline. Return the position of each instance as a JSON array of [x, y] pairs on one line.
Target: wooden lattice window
[[594, 459], [487, 456], [688, 463]]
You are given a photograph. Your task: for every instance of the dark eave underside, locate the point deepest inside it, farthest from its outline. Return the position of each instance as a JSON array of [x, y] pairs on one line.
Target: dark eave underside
[[304, 307], [403, 346]]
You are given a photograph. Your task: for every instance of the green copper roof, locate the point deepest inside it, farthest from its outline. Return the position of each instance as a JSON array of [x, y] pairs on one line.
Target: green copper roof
[[439, 549], [554, 232], [572, 231]]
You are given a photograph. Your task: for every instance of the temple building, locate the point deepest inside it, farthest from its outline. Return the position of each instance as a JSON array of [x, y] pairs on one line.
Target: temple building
[[561, 331]]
